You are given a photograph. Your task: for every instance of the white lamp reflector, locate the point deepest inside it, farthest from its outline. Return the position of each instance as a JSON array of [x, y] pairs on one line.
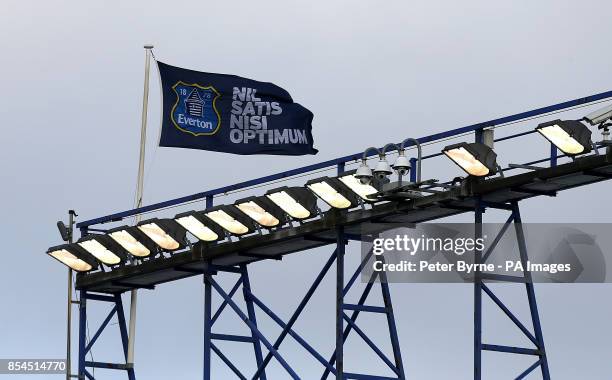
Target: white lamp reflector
[[359, 188], [330, 195], [289, 205], [197, 228], [129, 243], [100, 252], [71, 260], [467, 161], [159, 236], [258, 214], [228, 222], [562, 140]]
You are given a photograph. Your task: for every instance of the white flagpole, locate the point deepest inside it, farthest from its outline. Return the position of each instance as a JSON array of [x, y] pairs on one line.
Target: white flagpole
[[139, 193], [71, 215]]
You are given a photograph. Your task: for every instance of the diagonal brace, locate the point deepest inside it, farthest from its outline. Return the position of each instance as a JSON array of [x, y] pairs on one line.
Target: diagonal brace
[[298, 311], [253, 328], [370, 343], [508, 313], [227, 362], [224, 303], [354, 316], [101, 329], [290, 331]]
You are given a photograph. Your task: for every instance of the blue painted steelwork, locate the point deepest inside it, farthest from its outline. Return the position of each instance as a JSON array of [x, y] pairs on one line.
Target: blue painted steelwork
[[335, 365], [340, 251], [85, 347], [553, 155], [413, 165], [246, 288], [479, 287], [298, 310], [346, 159], [478, 294], [257, 337], [251, 324]]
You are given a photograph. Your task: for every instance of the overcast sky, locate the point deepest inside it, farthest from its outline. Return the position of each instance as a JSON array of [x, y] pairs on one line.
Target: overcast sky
[[71, 75]]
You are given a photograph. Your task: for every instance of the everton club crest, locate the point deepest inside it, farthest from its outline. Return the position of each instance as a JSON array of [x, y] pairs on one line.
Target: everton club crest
[[195, 110]]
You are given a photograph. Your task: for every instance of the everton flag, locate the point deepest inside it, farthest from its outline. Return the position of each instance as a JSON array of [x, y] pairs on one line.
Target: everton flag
[[227, 113]]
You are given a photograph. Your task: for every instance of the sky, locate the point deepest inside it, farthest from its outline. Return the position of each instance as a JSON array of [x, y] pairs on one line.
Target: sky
[[371, 72]]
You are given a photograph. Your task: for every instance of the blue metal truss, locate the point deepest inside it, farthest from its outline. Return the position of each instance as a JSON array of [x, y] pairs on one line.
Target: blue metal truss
[[85, 346], [346, 314], [345, 323], [480, 287]]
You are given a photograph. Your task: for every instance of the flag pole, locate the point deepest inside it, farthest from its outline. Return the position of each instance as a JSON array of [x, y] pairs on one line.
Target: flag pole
[[139, 193], [71, 215]]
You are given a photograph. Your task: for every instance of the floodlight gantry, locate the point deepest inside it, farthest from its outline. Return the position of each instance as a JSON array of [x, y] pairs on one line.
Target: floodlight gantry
[[335, 228]]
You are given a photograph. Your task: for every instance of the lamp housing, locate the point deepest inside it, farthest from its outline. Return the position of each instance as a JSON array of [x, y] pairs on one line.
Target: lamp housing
[[334, 192], [200, 226], [476, 159], [363, 190], [104, 249], [569, 136], [74, 257], [166, 233], [133, 240], [262, 210], [231, 219], [298, 202]]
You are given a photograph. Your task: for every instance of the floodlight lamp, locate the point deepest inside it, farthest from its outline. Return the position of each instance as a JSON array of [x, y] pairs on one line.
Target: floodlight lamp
[[133, 240], [200, 226], [262, 210], [74, 257], [103, 248], [476, 159], [333, 192], [569, 136], [358, 187], [166, 233], [230, 219], [298, 202]]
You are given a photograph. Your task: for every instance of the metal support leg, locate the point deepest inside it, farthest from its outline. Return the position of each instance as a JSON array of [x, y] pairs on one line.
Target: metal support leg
[[359, 307], [537, 337], [85, 347], [257, 338], [124, 333], [479, 138], [82, 333], [253, 328], [478, 297], [340, 304], [246, 288], [397, 355], [298, 310], [207, 327], [533, 306]]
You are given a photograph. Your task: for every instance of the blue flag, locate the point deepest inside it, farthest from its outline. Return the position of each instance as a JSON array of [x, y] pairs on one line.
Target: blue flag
[[228, 113]]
